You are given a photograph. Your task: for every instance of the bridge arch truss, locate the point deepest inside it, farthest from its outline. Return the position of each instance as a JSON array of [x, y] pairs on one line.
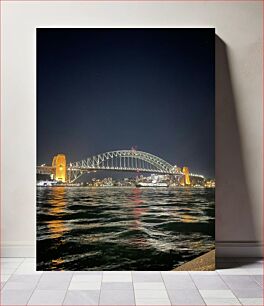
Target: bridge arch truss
[[122, 160]]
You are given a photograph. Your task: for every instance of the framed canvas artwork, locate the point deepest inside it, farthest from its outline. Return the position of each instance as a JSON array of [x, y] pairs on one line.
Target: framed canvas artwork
[[125, 149]]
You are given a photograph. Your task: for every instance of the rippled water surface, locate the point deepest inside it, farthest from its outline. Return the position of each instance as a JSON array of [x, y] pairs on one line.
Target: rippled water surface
[[122, 228]]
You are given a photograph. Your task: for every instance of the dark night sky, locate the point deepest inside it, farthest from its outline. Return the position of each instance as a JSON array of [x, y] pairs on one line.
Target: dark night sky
[[109, 89]]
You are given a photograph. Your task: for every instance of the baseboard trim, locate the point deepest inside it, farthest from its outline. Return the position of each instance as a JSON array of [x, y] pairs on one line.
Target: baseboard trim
[[223, 249], [21, 249], [239, 249]]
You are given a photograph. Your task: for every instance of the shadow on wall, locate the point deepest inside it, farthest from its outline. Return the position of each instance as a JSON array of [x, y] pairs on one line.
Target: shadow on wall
[[234, 216]]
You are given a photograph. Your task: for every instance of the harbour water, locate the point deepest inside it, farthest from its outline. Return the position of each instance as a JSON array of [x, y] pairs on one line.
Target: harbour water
[[84, 228]]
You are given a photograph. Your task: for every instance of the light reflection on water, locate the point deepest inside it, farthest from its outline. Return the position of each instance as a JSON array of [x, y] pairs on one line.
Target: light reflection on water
[[122, 228]]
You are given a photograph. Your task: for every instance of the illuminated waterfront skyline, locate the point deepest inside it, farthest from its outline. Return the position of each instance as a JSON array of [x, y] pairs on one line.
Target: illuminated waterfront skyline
[[133, 161]]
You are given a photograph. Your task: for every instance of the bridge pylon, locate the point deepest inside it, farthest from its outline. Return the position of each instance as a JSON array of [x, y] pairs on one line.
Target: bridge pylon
[[60, 166], [185, 171]]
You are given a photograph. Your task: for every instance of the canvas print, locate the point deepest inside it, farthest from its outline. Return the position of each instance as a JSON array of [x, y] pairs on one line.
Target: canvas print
[[125, 149]]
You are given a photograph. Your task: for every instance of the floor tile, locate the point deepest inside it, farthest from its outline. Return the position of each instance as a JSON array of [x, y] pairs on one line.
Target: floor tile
[[233, 271], [85, 286], [15, 297], [258, 279], [47, 297], [20, 285], [158, 302], [178, 282], [10, 265], [148, 276], [148, 286], [8, 270], [58, 273], [87, 278], [255, 271], [117, 297], [185, 297], [111, 277], [153, 294], [223, 301], [209, 282], [251, 301], [88, 272], [176, 272], [117, 272], [51, 281], [27, 268], [87, 297], [248, 293], [53, 285], [5, 277], [31, 278], [218, 294], [117, 286], [240, 282]]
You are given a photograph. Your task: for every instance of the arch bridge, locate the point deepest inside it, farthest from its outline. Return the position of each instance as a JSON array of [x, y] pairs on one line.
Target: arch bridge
[[121, 160]]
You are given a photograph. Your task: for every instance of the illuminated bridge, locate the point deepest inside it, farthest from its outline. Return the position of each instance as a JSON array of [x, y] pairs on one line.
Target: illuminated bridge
[[122, 160]]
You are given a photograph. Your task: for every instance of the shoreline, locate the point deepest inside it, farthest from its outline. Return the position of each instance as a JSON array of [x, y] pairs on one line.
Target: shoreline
[[205, 262]]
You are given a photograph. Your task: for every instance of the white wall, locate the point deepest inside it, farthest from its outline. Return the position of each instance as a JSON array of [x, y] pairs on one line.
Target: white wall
[[238, 104]]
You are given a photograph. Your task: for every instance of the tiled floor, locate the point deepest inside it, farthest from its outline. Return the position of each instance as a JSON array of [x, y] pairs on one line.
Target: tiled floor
[[237, 282]]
